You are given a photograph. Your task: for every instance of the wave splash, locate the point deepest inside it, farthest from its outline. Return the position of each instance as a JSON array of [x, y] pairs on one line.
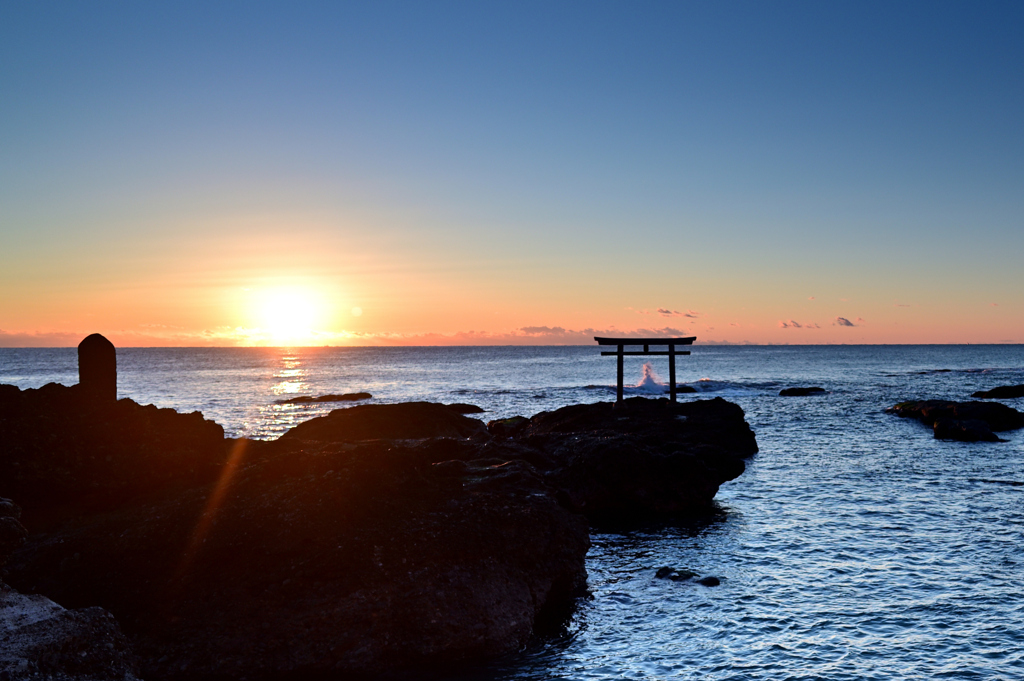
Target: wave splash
[[650, 382]]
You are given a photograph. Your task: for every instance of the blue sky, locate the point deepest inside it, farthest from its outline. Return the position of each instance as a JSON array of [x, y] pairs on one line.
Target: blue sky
[[517, 165]]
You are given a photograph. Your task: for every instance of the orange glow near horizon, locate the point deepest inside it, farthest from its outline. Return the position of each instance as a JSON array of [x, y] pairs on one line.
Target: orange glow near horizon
[[289, 315]]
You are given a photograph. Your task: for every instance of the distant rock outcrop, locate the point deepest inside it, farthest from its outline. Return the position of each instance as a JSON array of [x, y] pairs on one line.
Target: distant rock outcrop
[[967, 421], [307, 399], [801, 392], [1003, 392]]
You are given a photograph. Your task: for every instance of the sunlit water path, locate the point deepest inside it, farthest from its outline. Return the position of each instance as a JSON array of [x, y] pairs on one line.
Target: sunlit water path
[[854, 547]]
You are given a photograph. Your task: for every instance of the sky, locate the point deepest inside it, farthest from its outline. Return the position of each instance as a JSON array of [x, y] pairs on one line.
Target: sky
[[382, 173]]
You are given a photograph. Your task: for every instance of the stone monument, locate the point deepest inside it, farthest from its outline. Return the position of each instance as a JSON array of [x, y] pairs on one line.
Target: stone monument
[[97, 368]]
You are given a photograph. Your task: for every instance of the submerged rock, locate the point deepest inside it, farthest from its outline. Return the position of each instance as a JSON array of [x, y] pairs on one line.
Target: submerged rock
[[801, 392], [996, 416], [964, 430], [307, 399], [1003, 392]]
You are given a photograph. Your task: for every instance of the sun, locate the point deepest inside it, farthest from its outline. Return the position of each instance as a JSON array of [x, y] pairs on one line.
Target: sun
[[289, 314]]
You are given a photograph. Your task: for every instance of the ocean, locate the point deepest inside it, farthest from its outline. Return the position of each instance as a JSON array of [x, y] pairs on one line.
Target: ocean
[[855, 546]]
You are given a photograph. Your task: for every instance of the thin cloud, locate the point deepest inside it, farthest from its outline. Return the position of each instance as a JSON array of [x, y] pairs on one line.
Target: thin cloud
[[669, 313], [810, 297], [842, 321], [793, 324], [692, 314], [994, 304]]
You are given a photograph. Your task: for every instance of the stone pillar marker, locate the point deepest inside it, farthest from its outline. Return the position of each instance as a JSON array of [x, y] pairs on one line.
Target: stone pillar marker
[[97, 368]]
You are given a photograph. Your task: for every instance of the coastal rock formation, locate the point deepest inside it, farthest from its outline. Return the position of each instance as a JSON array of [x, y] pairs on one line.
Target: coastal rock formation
[[40, 639], [377, 539], [405, 420], [1003, 392], [463, 408], [325, 559], [967, 421], [801, 392], [68, 452], [307, 399], [964, 430], [640, 458]]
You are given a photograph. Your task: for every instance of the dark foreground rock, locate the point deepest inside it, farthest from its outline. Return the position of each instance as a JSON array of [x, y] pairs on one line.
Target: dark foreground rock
[[1003, 392], [328, 559], [967, 421], [641, 457], [66, 452], [40, 639], [308, 399], [375, 540], [406, 420], [801, 392]]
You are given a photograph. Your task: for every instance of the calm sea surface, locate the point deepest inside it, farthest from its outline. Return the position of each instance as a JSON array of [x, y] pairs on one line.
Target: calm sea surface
[[854, 547]]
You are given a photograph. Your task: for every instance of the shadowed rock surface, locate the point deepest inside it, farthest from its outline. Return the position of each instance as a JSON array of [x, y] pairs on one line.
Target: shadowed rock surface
[[1003, 392], [374, 540], [40, 639], [967, 421], [329, 559], [463, 408], [964, 430], [306, 399], [642, 457], [67, 452], [801, 392], [406, 420]]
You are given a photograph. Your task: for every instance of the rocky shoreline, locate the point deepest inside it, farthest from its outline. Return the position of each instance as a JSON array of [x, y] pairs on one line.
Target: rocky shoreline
[[377, 539]]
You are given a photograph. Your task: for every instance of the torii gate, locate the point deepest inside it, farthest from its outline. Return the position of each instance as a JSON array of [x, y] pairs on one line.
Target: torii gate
[[647, 342]]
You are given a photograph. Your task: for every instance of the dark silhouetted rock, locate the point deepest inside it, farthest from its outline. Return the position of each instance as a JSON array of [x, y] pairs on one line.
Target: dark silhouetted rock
[[306, 399], [996, 416], [507, 427], [801, 392], [324, 560], [1003, 392], [965, 430], [685, 389], [65, 452], [97, 368], [675, 574], [406, 420], [12, 533], [42, 640], [462, 408], [709, 581], [641, 457]]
